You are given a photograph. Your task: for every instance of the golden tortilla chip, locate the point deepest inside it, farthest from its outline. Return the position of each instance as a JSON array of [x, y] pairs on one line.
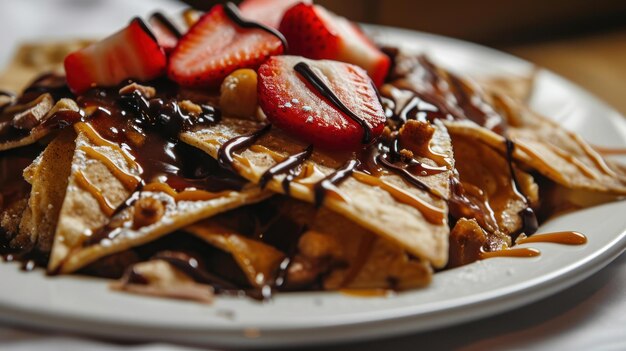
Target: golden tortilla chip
[[258, 261], [389, 206], [48, 176]]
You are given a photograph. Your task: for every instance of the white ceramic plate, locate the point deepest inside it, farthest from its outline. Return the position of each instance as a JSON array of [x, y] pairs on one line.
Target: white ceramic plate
[[86, 305]]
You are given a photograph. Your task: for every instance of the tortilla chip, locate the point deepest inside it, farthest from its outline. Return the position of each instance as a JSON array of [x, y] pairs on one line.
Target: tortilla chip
[[519, 88], [258, 261], [161, 279], [485, 176], [389, 206], [48, 176], [33, 59], [86, 207]]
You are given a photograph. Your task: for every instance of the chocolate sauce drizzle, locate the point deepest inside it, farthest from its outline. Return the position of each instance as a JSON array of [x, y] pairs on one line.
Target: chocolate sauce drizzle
[[289, 166], [232, 12], [322, 88], [530, 223], [167, 23], [225, 153], [333, 180]]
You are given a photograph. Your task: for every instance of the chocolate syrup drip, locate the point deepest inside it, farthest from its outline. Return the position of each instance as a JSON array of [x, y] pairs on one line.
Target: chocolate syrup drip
[[289, 166], [529, 219], [280, 279], [144, 26], [232, 12], [334, 179], [403, 172], [225, 153], [325, 90], [171, 27]]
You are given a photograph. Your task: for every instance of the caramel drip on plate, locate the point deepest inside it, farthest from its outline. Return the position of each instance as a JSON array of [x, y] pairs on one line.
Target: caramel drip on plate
[[432, 214], [516, 252], [367, 292], [84, 183], [563, 238]]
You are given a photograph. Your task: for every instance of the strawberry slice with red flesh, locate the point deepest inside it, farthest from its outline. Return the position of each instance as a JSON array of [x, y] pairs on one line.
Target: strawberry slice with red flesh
[[314, 32], [131, 53], [166, 32], [216, 46], [295, 103], [268, 12]]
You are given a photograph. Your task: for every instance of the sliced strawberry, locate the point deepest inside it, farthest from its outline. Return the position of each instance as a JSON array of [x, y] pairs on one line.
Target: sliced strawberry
[[215, 47], [296, 106], [268, 12], [316, 33], [133, 52], [166, 32]]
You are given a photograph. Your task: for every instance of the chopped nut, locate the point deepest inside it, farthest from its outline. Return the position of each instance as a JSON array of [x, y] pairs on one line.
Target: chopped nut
[[33, 112], [238, 94], [147, 211], [407, 154], [145, 91], [190, 107], [416, 136]]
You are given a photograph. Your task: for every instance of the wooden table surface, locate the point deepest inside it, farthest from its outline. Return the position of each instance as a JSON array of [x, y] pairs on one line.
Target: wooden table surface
[[595, 62]]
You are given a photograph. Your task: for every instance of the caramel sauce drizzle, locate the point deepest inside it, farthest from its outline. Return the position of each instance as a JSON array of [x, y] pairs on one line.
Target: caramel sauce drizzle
[[130, 181], [225, 152], [288, 167], [84, 183], [530, 224], [431, 213], [563, 238], [367, 293], [93, 136], [515, 252], [185, 195], [331, 181]]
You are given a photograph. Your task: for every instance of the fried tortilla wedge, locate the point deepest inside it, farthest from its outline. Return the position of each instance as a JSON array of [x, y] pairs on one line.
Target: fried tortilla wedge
[[388, 205], [556, 153], [540, 144], [258, 261], [93, 192], [48, 175], [99, 164], [332, 248]]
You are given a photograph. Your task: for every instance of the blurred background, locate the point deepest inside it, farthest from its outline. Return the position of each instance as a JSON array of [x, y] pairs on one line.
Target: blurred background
[[582, 40]]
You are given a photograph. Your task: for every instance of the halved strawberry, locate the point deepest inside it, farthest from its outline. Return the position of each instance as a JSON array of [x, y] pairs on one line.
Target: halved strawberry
[[295, 105], [215, 47], [166, 32], [133, 52], [268, 12], [314, 32]]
